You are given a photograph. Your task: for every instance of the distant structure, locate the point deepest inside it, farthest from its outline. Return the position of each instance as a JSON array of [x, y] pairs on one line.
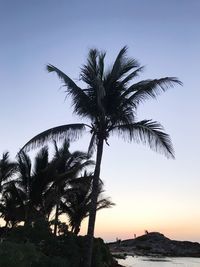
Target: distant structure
[[118, 241]]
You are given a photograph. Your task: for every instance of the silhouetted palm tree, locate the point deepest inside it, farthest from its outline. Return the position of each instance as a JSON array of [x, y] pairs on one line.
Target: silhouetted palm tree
[[12, 204], [110, 104], [67, 166], [33, 180], [8, 195], [41, 197], [77, 201]]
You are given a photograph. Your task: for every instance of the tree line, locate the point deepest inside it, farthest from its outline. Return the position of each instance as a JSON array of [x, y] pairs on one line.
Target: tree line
[[44, 188]]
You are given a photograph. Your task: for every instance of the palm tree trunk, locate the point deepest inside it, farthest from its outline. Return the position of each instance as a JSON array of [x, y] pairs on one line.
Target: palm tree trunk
[[56, 220], [27, 212], [56, 215], [94, 196], [77, 229]]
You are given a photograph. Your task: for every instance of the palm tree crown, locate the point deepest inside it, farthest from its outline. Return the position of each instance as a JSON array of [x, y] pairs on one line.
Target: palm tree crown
[[110, 103]]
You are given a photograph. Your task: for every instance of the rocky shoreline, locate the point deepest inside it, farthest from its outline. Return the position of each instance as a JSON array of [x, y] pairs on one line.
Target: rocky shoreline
[[154, 244]]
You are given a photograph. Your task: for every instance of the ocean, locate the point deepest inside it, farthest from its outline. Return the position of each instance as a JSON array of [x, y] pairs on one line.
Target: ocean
[[159, 262]]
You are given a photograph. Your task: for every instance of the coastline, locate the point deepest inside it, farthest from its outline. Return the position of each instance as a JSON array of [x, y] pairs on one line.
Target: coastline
[[154, 244]]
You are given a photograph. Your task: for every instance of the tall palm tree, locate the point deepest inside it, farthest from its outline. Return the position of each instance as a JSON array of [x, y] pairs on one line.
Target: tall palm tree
[[109, 102]]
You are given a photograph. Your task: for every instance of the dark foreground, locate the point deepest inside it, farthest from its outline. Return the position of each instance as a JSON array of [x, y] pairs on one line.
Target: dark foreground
[[37, 246]]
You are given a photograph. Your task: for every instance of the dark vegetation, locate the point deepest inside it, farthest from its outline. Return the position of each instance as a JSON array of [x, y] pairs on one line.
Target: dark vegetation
[[43, 189], [38, 246], [35, 193]]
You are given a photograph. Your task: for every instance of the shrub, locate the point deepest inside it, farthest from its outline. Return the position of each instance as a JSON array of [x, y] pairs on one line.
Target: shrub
[[36, 246]]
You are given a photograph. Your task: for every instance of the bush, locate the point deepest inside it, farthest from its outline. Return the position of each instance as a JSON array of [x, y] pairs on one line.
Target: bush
[[14, 254], [101, 254], [35, 234], [36, 246], [25, 255]]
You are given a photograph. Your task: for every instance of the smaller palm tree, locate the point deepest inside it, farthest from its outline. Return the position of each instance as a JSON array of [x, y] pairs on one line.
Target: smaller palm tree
[[67, 167], [77, 201], [33, 180], [12, 204]]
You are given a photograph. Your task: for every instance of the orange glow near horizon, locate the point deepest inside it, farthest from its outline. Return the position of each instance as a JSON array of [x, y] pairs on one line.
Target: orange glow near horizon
[[119, 223], [116, 223]]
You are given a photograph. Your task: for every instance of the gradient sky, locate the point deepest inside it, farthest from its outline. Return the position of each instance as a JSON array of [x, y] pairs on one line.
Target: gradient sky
[[150, 191]]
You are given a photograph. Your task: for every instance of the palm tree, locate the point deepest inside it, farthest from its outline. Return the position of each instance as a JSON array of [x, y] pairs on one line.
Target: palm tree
[[109, 102], [77, 201], [12, 204], [67, 167], [33, 180], [41, 198], [8, 202]]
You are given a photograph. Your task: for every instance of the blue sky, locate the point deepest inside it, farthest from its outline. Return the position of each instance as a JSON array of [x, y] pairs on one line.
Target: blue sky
[[150, 191]]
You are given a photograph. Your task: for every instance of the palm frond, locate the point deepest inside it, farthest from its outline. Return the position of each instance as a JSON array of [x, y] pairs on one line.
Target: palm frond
[[122, 65], [104, 203], [41, 160], [7, 167], [90, 70], [131, 76], [149, 133], [68, 131], [80, 100], [24, 164], [146, 89], [92, 74], [101, 64]]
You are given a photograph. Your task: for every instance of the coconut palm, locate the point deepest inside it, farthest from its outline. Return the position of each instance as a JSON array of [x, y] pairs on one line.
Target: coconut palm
[[12, 204], [109, 101], [67, 166], [33, 180], [42, 172], [77, 201]]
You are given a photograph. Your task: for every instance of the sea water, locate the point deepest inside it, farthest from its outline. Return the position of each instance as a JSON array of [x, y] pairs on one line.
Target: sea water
[[159, 262]]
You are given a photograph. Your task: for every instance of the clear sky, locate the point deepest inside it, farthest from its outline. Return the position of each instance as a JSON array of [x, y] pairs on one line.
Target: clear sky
[[150, 191]]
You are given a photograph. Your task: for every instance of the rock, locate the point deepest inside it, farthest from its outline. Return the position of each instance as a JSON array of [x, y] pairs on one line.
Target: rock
[[155, 243]]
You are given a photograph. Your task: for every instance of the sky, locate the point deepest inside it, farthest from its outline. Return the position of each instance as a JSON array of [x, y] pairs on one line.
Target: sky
[[151, 192]]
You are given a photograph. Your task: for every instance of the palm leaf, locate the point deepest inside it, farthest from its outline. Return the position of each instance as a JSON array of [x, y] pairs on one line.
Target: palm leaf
[[104, 203], [7, 168], [68, 131], [90, 70], [41, 161], [146, 89], [149, 133], [131, 76], [101, 64], [122, 65], [80, 100]]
